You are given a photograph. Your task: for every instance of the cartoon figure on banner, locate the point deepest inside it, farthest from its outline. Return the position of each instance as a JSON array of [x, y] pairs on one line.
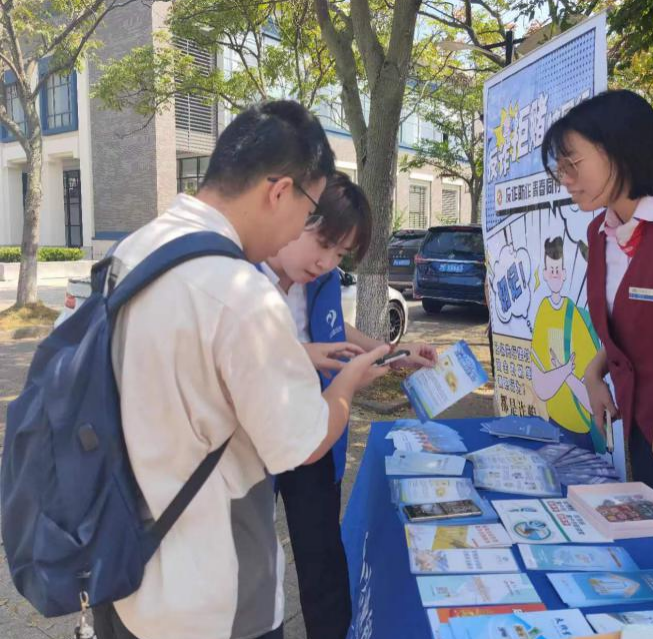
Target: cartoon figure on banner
[[562, 346]]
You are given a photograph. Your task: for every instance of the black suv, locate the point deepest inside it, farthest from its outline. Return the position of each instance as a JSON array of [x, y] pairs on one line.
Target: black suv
[[450, 267], [402, 248]]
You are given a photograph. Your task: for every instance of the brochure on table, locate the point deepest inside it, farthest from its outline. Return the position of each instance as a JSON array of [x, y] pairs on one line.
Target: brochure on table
[[413, 436], [439, 617], [433, 390], [615, 621], [476, 590], [588, 589], [585, 558], [527, 521], [462, 561], [513, 469], [554, 624], [434, 537], [401, 463]]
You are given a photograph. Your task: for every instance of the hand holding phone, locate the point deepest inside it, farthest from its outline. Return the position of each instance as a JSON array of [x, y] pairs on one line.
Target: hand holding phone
[[391, 357], [609, 433]]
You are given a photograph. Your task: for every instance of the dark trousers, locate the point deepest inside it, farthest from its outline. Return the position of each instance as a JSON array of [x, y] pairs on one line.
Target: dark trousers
[[641, 456], [311, 497], [108, 626]]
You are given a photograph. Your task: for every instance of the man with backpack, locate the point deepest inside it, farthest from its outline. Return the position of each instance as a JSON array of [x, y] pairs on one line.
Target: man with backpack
[[207, 363], [210, 350]]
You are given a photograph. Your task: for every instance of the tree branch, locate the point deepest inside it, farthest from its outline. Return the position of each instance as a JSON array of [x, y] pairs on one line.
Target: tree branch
[[367, 41]]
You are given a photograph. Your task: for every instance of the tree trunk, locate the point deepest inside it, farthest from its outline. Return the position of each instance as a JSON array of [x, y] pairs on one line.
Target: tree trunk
[[377, 182], [475, 196], [27, 279]]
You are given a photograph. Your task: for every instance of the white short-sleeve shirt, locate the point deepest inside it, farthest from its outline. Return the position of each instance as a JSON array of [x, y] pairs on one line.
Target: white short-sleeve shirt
[[208, 350]]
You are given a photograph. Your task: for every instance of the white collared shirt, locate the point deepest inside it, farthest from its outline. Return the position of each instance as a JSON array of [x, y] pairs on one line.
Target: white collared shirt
[[297, 303], [208, 350], [616, 260]]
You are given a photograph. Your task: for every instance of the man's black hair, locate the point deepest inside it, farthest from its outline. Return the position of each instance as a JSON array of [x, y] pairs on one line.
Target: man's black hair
[[271, 139], [621, 123]]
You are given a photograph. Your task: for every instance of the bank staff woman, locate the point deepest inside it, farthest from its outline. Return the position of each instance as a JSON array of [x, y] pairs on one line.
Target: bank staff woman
[[602, 153]]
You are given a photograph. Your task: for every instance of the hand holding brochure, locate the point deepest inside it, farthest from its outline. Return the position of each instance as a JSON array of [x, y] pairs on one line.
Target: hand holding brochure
[[456, 374], [585, 558]]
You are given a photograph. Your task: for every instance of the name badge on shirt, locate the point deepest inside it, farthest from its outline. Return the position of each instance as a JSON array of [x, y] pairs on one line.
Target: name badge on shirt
[[640, 294]]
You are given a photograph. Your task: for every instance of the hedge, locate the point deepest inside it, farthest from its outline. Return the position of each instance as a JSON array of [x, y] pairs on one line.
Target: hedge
[[45, 254]]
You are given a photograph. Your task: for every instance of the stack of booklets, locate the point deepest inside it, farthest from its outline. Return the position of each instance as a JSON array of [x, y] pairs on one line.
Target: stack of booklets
[[452, 501], [549, 521], [507, 468], [432, 390], [413, 436], [519, 624], [532, 428], [590, 589], [575, 465], [619, 511]]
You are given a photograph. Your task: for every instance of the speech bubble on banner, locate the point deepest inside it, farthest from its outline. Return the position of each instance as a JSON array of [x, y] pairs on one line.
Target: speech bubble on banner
[[510, 284]]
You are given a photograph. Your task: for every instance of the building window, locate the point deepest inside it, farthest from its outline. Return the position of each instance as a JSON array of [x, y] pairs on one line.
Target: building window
[[15, 110], [450, 204], [419, 199], [190, 173], [193, 114], [58, 101], [60, 104]]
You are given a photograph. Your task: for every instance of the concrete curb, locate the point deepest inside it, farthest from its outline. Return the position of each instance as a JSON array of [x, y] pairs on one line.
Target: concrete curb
[[49, 270]]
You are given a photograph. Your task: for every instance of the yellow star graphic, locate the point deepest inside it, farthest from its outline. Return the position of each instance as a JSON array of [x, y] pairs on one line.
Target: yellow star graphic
[[498, 131]]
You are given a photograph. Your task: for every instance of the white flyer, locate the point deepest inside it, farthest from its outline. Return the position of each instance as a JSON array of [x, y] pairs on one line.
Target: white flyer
[[434, 537], [462, 561], [615, 621], [427, 490], [573, 525], [528, 522], [401, 463]]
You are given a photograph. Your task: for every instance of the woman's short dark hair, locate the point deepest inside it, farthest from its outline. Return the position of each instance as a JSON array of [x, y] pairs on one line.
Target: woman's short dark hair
[[344, 207], [621, 123], [279, 138]]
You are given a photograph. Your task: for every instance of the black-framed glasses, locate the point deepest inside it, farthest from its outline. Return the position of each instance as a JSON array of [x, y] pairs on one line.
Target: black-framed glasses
[[314, 219]]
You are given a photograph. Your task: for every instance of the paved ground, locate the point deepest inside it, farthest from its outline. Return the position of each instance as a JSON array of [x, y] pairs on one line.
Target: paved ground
[[17, 619]]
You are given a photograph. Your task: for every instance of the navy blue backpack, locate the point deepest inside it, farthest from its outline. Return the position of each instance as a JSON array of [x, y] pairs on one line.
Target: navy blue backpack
[[70, 504]]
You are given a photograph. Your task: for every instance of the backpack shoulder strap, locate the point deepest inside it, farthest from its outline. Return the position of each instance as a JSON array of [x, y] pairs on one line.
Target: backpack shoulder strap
[[172, 254]]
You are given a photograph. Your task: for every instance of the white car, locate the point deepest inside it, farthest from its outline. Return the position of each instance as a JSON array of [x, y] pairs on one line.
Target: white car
[[80, 288]]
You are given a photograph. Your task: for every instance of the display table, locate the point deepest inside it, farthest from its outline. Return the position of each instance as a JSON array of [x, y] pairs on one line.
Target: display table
[[386, 603]]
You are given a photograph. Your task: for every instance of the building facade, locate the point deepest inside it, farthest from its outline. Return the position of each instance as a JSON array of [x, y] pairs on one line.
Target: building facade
[[106, 173]]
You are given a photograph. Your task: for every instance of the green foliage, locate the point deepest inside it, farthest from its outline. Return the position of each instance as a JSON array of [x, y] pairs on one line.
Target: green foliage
[[11, 254], [275, 48]]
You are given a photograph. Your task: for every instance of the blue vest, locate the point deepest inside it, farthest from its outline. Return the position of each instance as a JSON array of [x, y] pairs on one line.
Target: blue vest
[[326, 323]]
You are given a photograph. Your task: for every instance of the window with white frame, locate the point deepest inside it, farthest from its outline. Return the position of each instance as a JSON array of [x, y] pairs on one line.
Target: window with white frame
[[450, 204], [419, 204], [14, 108]]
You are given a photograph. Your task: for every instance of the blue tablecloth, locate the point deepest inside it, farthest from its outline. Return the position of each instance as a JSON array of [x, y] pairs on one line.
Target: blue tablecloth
[[386, 603]]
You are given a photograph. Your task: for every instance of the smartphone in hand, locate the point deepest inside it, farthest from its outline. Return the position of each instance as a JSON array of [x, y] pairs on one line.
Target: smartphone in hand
[[391, 357]]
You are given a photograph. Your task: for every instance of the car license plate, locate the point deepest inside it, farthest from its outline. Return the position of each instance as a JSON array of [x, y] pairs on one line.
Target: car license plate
[[401, 263], [452, 268]]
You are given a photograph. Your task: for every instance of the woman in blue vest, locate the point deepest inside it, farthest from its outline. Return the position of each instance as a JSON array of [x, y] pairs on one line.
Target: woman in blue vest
[[306, 273], [602, 153]]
